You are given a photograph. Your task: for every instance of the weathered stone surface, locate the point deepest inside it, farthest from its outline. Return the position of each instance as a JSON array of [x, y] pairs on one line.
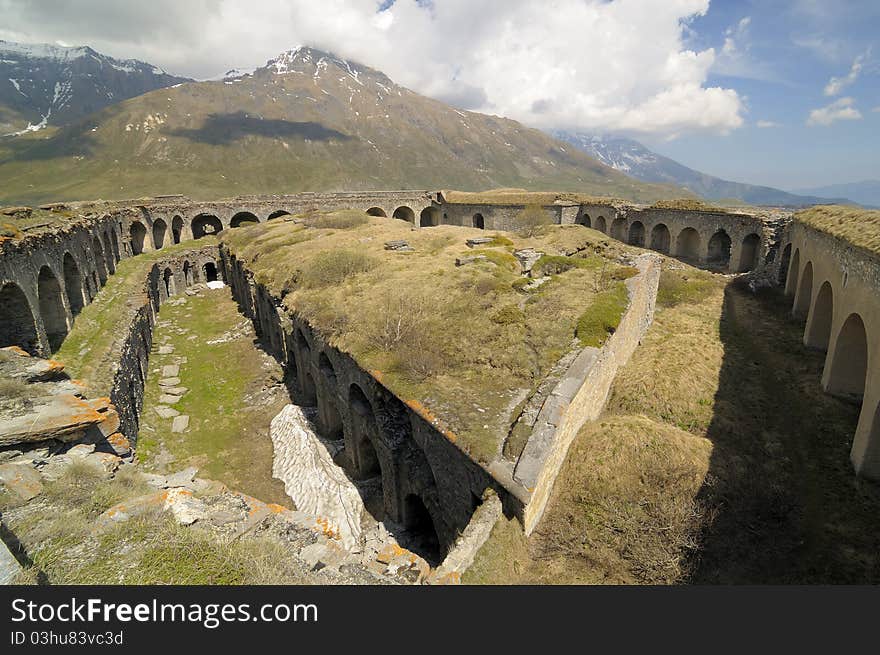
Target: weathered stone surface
[[316, 485], [181, 478], [479, 241], [180, 423], [169, 382], [120, 444], [470, 259], [462, 554], [527, 258], [21, 479], [81, 450], [170, 371], [175, 391], [398, 245], [166, 412], [65, 417], [180, 502], [9, 566], [105, 462], [169, 399], [166, 350]]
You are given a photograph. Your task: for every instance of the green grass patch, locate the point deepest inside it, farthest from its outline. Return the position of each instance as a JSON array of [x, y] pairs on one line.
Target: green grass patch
[[602, 317], [557, 264], [688, 285], [335, 266]]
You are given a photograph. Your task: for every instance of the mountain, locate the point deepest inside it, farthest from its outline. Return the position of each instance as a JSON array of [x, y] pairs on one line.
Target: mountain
[[43, 84], [866, 192], [633, 158], [306, 121]]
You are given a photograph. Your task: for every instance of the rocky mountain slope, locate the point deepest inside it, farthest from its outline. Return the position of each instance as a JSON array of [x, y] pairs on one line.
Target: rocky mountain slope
[[633, 158], [43, 84], [866, 192], [305, 121]]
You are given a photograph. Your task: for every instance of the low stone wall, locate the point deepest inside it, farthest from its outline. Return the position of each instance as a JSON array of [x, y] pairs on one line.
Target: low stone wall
[[581, 395]]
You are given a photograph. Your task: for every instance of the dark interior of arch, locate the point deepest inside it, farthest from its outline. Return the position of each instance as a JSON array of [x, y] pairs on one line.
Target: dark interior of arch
[[17, 327], [243, 218], [205, 224], [719, 249], [404, 213], [73, 285], [138, 233], [52, 308]]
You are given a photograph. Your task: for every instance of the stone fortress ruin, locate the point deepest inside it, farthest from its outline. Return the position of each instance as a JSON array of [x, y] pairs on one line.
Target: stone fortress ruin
[[427, 481]]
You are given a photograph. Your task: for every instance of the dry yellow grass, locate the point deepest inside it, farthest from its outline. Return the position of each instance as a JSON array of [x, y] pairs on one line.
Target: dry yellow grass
[[523, 197], [687, 204], [465, 341], [861, 227]]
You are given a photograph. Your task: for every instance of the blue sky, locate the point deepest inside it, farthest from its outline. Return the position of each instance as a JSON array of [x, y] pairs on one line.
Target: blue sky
[[783, 56]]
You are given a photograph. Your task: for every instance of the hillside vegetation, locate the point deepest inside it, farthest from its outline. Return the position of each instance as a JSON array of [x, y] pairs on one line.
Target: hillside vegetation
[[308, 121], [861, 227]]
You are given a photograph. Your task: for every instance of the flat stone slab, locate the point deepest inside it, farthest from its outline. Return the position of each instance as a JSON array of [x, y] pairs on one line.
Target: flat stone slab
[[170, 371], [166, 399], [175, 391], [22, 480], [470, 259], [169, 382], [479, 241], [180, 423], [166, 412], [166, 350]]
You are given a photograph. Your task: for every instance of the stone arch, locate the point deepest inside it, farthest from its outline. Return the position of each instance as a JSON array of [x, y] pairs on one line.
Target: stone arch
[[478, 221], [109, 258], [661, 239], [430, 217], [601, 224], [804, 293], [176, 229], [18, 327], [73, 285], [584, 219], [277, 214], [818, 332], [847, 365], [100, 260], [718, 253], [243, 218], [404, 213], [748, 256], [687, 246], [160, 229], [618, 229], [210, 272], [52, 307], [205, 224], [791, 283], [168, 279], [418, 519], [784, 264], [188, 277], [637, 234], [138, 234], [365, 458], [306, 382], [328, 411], [377, 211]]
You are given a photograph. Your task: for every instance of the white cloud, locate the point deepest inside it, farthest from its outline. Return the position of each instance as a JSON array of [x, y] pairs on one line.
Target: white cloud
[[837, 84], [840, 110], [592, 64], [767, 124], [736, 38]]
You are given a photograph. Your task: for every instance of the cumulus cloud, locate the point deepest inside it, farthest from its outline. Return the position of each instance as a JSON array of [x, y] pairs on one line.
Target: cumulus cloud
[[610, 66], [840, 110], [837, 84]]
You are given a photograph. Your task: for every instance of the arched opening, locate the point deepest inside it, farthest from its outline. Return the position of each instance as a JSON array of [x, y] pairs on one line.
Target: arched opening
[[404, 214], [637, 234], [115, 241], [243, 218], [791, 284], [210, 271], [818, 332], [430, 217], [366, 460], [377, 211], [660, 238], [100, 260], [688, 244], [52, 308], [278, 214], [73, 285], [849, 362], [804, 294], [138, 234], [478, 221], [188, 274], [18, 327], [783, 266], [718, 254], [618, 229], [306, 382], [417, 519], [331, 422], [168, 279], [601, 225], [584, 219], [109, 259], [177, 229], [160, 227], [748, 257], [205, 224]]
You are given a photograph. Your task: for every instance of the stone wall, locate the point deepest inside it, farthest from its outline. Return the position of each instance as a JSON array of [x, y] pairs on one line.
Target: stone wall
[[581, 394], [419, 467]]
